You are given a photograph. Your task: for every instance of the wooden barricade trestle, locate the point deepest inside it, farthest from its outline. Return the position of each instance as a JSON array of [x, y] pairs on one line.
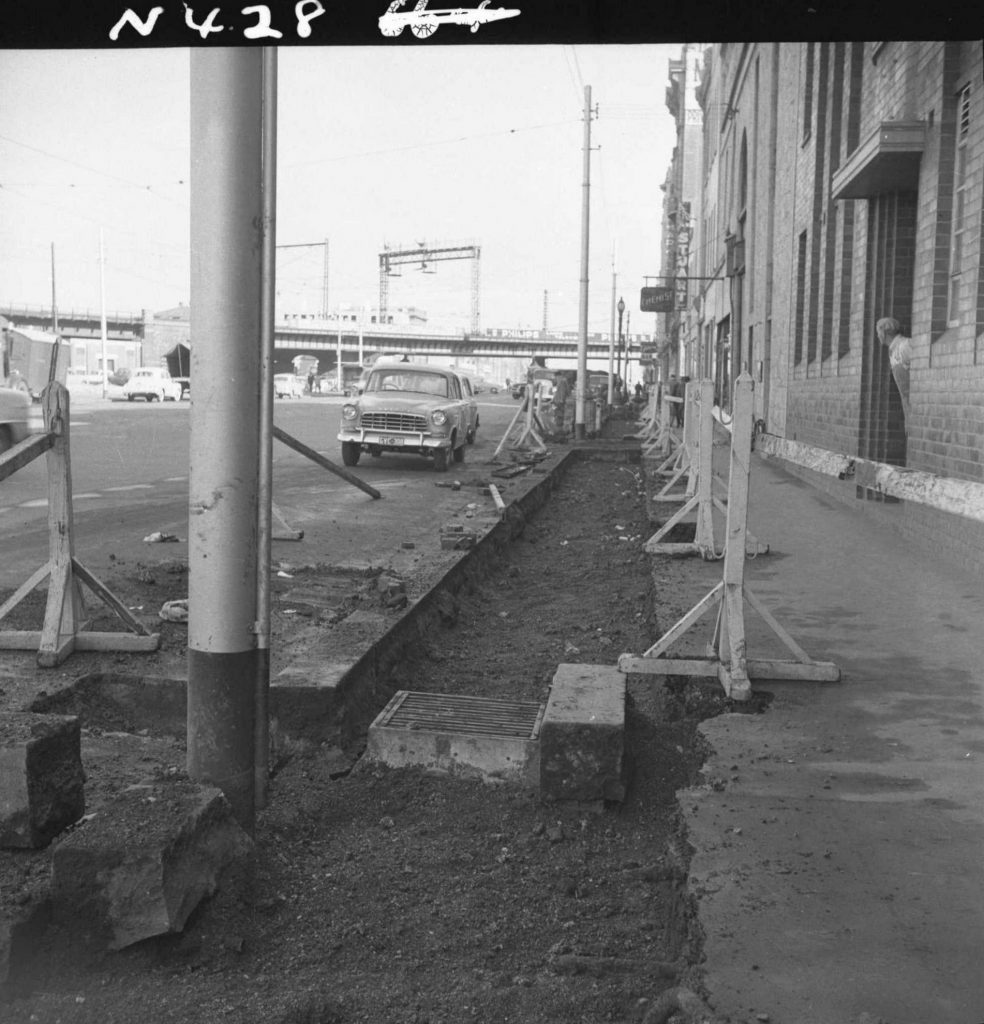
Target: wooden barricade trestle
[[726, 653], [696, 459], [531, 434], [64, 629]]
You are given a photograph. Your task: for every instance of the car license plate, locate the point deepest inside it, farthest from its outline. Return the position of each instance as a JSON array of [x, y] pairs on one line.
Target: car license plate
[[395, 441]]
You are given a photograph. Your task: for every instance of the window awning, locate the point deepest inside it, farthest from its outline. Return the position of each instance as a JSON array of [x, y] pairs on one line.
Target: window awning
[[887, 161]]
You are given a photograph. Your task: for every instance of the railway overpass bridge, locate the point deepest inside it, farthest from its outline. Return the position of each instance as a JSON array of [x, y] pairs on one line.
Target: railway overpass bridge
[[329, 339]]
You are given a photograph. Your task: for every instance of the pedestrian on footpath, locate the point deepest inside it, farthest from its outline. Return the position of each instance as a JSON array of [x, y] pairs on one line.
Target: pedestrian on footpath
[[676, 408], [889, 332], [561, 391]]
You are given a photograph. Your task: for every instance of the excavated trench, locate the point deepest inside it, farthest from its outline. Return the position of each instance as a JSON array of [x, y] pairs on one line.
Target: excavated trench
[[546, 913]]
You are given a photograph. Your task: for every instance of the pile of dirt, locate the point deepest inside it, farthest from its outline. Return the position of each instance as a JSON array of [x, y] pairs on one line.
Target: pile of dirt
[[400, 896]]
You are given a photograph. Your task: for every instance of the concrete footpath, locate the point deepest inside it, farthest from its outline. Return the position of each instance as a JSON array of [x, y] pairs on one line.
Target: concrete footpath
[[838, 866]]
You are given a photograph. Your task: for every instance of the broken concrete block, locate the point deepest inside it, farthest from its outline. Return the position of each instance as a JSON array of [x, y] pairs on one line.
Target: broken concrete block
[[582, 739], [141, 866], [42, 784]]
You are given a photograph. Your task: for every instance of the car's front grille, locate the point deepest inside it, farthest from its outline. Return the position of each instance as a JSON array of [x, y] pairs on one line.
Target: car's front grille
[[389, 421]]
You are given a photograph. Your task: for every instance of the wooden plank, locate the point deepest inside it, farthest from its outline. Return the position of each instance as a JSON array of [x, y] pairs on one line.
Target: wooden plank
[[644, 666], [735, 684], [497, 498], [89, 641], [20, 639], [704, 532], [704, 605], [108, 597], [24, 452], [793, 671], [24, 589], [771, 622], [54, 654], [319, 459], [671, 550], [669, 524]]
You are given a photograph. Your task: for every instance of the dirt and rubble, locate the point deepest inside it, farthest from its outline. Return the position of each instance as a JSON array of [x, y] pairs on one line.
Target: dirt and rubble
[[400, 896]]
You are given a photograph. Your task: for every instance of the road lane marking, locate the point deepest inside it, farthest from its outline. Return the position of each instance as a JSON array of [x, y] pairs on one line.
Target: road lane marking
[[132, 487]]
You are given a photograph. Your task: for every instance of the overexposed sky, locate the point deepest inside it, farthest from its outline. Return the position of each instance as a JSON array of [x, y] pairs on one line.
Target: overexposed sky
[[376, 145]]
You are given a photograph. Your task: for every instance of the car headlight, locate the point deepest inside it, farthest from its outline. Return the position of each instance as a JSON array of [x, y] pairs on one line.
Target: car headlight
[[349, 412], [439, 417]]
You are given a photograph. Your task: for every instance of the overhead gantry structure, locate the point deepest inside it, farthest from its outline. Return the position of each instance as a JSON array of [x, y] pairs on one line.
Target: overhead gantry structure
[[423, 256]]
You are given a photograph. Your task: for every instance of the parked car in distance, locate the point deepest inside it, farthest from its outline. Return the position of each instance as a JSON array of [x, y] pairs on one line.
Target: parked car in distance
[[15, 411], [409, 408], [286, 385], [151, 383]]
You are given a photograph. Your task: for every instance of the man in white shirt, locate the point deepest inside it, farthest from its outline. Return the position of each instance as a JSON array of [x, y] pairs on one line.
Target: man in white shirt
[[889, 333]]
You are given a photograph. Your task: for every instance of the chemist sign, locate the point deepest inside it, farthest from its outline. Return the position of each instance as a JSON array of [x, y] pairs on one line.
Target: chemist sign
[[657, 300]]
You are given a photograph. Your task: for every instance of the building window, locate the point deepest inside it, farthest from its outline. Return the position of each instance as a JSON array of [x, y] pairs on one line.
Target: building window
[[958, 233], [808, 92], [800, 299]]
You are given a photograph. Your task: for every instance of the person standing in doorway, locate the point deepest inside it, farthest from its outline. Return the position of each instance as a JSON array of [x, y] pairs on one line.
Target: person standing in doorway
[[889, 332]]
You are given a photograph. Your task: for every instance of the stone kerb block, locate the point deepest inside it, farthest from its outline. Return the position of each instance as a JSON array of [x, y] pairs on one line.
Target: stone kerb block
[[42, 783], [141, 866], [582, 738]]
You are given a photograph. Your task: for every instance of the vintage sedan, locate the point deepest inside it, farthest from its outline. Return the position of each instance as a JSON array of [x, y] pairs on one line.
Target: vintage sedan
[[411, 409], [152, 383]]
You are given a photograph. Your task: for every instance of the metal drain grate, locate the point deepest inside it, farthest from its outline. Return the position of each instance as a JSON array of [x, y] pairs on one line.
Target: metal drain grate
[[485, 716]]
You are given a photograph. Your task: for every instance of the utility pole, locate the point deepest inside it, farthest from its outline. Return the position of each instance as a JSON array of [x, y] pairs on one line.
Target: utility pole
[[231, 294], [102, 307], [264, 474], [54, 301], [611, 338], [582, 334]]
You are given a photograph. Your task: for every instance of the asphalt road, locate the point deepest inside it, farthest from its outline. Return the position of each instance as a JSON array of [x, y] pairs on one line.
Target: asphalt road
[[130, 474]]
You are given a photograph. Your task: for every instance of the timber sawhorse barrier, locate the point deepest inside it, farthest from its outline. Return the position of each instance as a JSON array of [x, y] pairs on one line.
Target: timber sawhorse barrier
[[64, 629], [695, 459], [727, 652]]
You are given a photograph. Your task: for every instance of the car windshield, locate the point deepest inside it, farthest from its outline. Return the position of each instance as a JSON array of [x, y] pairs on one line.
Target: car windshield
[[409, 380]]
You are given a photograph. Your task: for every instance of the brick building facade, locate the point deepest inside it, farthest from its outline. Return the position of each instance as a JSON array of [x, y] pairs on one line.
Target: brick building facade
[[842, 183]]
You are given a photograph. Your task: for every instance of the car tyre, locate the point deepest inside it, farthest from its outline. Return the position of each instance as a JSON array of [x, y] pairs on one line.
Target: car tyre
[[350, 453], [6, 439], [440, 460], [458, 454]]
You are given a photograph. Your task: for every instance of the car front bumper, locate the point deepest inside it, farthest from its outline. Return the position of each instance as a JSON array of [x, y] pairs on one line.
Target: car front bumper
[[394, 441]]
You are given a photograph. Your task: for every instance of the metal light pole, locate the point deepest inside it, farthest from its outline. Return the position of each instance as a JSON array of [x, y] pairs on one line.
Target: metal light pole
[[227, 244], [621, 312], [628, 349]]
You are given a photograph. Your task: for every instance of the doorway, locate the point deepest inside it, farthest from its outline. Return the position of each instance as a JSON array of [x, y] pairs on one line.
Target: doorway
[[888, 292]]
